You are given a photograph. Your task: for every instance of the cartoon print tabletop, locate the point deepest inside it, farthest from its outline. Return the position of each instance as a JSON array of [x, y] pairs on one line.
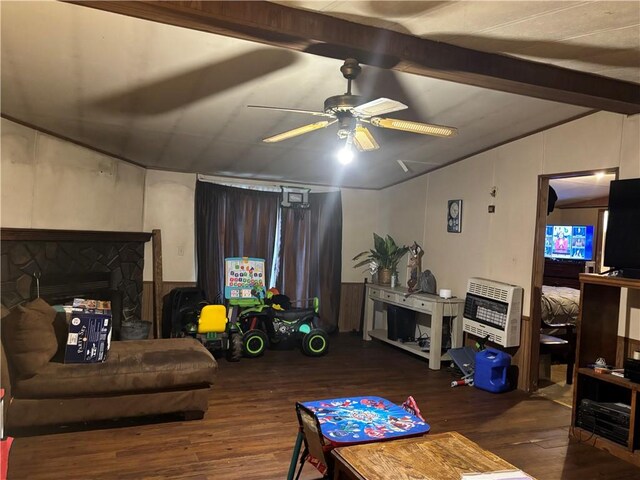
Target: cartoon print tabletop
[[364, 419]]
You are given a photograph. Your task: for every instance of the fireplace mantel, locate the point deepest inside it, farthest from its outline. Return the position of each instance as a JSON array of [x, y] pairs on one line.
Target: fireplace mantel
[[54, 257], [46, 235]]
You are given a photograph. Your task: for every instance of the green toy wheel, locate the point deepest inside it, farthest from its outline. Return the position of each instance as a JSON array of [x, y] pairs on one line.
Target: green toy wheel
[[254, 342], [315, 343], [234, 351]]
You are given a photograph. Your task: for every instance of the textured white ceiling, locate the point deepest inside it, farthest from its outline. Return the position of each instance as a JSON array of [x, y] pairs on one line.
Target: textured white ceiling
[[577, 189], [172, 98]]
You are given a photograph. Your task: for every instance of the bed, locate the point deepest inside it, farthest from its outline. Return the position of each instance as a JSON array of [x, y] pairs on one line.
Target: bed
[[560, 305]]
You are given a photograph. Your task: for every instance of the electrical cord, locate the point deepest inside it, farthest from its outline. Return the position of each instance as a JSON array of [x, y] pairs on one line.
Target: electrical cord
[[450, 318], [420, 334], [423, 340]]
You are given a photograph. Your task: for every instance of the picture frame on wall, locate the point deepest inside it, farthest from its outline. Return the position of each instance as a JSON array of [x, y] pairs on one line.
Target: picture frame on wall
[[454, 216]]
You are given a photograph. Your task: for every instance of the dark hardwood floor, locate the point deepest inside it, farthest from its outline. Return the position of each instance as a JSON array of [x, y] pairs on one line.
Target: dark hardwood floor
[[250, 428]]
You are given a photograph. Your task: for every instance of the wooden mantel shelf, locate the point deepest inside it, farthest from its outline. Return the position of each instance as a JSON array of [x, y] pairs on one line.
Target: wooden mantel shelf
[[46, 235]]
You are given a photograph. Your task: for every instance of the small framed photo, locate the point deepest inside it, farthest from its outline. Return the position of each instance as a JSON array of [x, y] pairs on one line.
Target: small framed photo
[[454, 216]]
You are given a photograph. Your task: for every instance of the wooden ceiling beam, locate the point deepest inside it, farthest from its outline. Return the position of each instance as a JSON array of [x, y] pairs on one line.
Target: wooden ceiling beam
[[320, 34]]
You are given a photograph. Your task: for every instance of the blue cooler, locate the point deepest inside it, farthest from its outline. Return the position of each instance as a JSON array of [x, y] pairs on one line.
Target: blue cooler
[[491, 370]]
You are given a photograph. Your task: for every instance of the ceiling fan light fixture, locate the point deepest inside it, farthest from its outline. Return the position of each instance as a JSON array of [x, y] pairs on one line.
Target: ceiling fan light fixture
[[415, 127], [345, 155]]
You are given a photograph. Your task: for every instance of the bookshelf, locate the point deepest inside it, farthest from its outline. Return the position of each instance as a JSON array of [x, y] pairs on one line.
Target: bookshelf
[[597, 336]]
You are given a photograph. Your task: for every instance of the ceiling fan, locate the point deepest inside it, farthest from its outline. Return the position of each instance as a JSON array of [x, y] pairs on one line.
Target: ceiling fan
[[350, 112]]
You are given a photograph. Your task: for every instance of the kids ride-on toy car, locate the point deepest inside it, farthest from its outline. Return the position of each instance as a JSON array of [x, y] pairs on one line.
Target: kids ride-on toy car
[[216, 332], [269, 324]]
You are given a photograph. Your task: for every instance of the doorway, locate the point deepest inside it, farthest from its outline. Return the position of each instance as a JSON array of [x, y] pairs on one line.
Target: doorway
[[569, 240]]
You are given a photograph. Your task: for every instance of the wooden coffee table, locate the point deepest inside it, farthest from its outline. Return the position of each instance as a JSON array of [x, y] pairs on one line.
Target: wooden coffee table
[[443, 456]]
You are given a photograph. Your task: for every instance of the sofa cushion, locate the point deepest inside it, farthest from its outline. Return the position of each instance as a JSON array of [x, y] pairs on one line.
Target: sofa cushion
[[29, 338], [131, 366]]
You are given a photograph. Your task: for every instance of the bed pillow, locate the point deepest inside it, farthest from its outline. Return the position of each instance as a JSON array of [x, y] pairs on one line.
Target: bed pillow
[[29, 337]]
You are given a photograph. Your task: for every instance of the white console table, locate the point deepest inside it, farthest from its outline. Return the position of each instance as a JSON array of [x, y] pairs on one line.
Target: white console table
[[375, 319]]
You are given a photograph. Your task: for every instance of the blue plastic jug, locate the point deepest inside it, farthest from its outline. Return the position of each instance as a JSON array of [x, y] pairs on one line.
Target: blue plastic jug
[[491, 370]]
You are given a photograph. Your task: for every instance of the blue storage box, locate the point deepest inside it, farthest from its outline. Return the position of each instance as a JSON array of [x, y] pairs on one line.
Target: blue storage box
[[491, 370]]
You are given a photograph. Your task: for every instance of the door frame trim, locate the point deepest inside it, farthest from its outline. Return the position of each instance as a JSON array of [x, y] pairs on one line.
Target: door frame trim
[[537, 270]]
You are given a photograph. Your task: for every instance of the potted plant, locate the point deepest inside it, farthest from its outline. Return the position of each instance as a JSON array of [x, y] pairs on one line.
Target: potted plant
[[383, 258]]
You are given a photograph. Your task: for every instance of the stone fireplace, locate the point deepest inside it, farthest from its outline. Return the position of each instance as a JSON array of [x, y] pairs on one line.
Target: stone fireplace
[[27, 254]]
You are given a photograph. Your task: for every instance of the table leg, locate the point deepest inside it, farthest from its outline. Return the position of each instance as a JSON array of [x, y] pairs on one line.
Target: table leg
[[294, 457], [457, 334], [369, 312], [435, 346]]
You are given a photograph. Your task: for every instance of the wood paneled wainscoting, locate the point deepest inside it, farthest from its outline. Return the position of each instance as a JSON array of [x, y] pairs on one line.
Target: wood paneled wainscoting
[[351, 302], [351, 306], [350, 319]]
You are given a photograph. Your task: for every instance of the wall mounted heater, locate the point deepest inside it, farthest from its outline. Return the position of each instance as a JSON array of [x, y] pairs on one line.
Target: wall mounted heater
[[495, 309]]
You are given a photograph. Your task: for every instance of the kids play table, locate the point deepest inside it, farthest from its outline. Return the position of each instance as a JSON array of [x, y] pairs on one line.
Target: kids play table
[[358, 420]]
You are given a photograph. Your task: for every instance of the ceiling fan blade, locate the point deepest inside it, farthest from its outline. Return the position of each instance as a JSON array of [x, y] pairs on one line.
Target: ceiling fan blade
[[414, 127], [378, 107], [293, 110], [298, 131], [363, 139]]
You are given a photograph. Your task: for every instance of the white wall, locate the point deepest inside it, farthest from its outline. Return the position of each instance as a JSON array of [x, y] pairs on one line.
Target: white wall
[[50, 183], [500, 245], [360, 218], [454, 257], [629, 314], [589, 143], [630, 148], [401, 219], [169, 206], [574, 216]]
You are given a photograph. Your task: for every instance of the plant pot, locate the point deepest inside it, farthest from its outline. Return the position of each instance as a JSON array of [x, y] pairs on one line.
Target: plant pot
[[384, 276], [135, 330]]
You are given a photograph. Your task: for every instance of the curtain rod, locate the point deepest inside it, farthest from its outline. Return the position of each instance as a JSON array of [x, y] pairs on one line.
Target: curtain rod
[[261, 185]]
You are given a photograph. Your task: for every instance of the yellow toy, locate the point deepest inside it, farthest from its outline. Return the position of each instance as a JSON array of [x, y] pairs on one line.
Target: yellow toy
[[217, 333]]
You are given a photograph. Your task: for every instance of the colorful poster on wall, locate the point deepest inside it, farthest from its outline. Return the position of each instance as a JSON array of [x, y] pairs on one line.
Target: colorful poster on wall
[[244, 277]]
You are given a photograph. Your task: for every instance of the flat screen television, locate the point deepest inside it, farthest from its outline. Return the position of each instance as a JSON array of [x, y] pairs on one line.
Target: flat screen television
[[622, 241], [569, 242]]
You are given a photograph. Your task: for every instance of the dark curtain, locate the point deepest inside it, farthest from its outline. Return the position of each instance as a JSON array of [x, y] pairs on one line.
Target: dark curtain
[[232, 222], [311, 254]]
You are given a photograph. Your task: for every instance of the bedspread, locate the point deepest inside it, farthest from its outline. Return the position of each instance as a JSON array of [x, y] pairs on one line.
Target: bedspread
[[560, 305]]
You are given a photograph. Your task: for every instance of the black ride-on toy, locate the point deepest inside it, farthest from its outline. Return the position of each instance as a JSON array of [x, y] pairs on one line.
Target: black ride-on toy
[[276, 324]]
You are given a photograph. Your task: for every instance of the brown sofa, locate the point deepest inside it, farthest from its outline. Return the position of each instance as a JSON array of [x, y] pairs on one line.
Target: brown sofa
[[145, 377]]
